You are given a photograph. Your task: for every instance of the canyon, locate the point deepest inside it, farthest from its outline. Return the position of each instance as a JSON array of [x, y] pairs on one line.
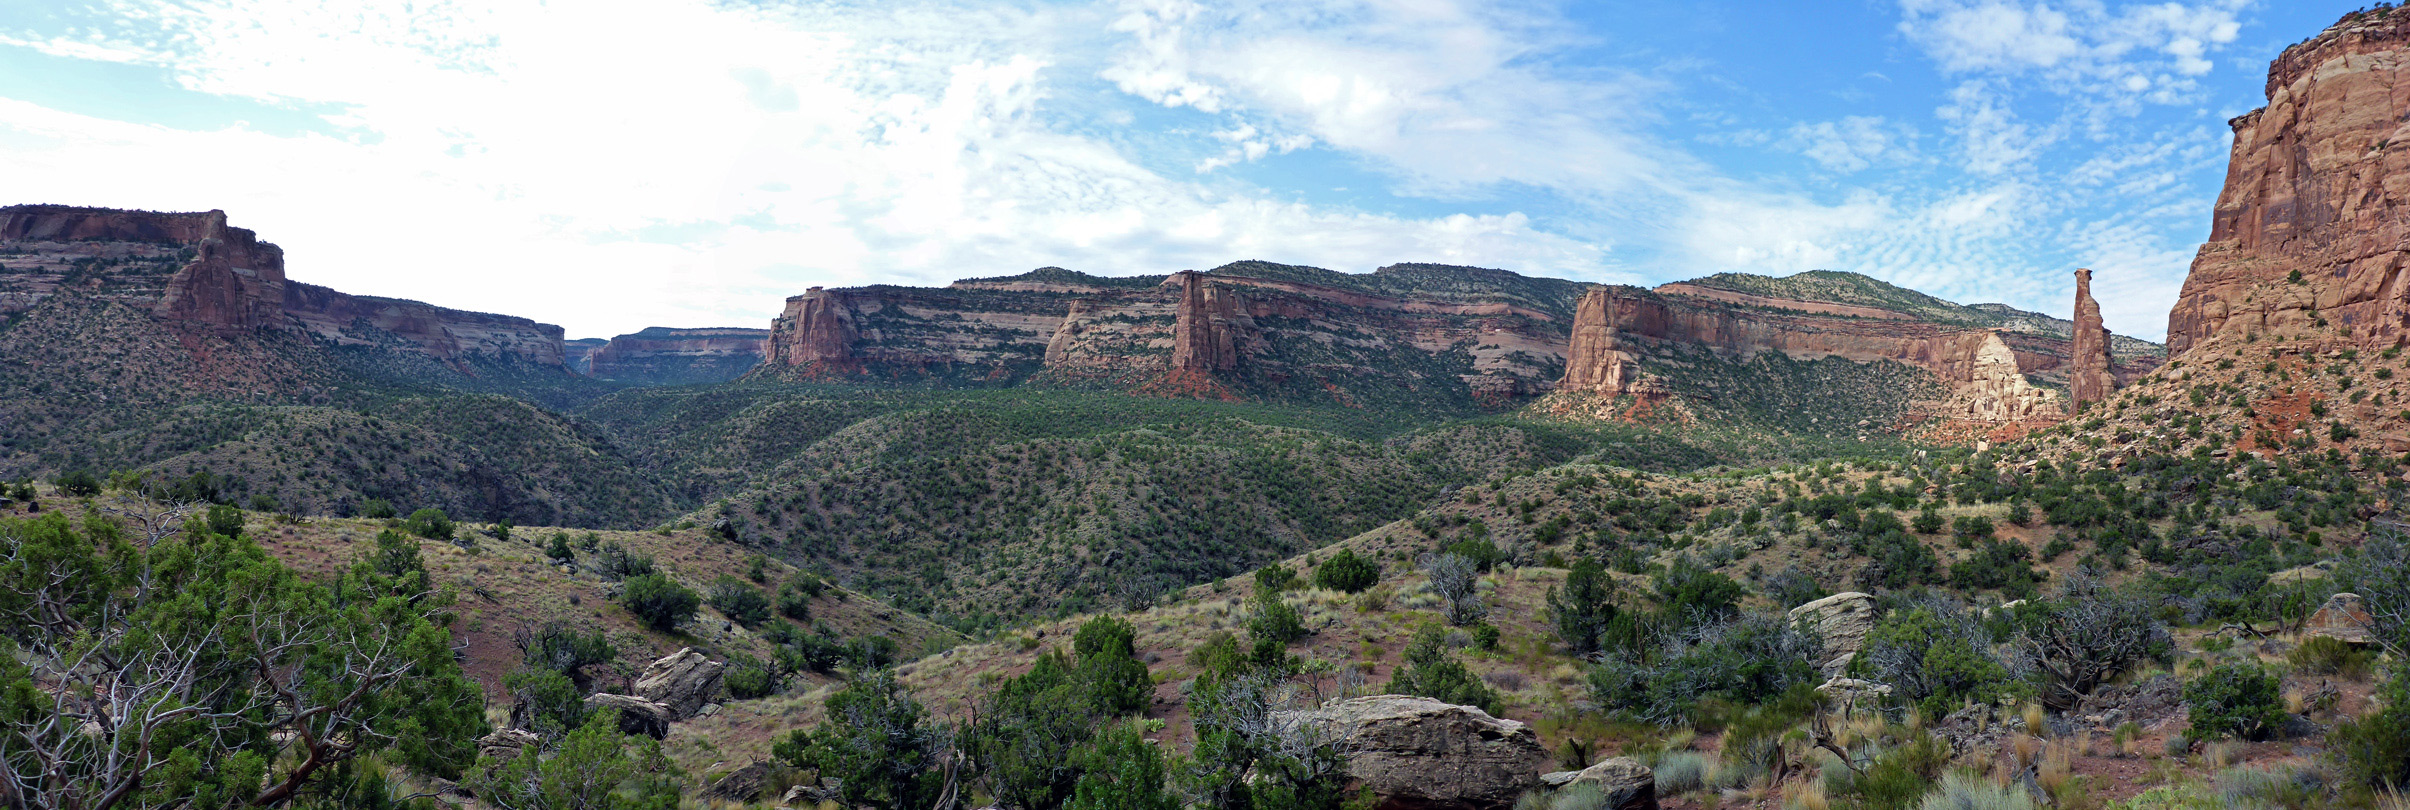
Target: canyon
[[670, 356], [195, 271], [1488, 338]]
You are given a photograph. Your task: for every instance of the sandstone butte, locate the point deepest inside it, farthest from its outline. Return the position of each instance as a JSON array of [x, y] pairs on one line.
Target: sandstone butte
[[2308, 239], [236, 283]]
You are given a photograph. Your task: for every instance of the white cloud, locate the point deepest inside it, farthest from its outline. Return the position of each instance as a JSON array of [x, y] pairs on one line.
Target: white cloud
[[2119, 55], [711, 162], [1853, 143]]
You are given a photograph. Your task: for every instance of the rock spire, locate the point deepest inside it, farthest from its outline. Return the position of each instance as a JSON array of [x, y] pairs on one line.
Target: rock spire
[[2088, 378]]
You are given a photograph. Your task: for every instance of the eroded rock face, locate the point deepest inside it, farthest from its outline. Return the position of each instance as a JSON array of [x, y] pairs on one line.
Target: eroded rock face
[[1986, 381], [2344, 617], [679, 356], [234, 283], [2315, 185], [683, 681], [1842, 620], [2088, 377], [815, 332], [1205, 335], [1626, 782], [1420, 753], [1597, 362]]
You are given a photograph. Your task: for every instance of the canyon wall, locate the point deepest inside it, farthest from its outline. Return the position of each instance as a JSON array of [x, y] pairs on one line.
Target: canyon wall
[[2309, 234], [225, 280], [668, 356], [1983, 377]]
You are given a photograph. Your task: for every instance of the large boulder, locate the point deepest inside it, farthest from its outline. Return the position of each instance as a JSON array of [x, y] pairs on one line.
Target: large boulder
[[741, 785], [1842, 620], [1854, 692], [636, 715], [504, 745], [1420, 754], [1628, 784], [2344, 618], [683, 681]]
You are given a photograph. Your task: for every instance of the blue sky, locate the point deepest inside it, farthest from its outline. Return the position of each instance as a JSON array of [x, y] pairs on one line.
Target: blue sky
[[611, 166]]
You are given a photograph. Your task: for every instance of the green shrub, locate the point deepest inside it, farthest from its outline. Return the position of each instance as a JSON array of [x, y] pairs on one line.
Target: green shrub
[[1274, 620], [2375, 747], [1275, 579], [429, 523], [2324, 655], [1430, 672], [1937, 656], [1109, 671], [740, 601], [2239, 700], [615, 562], [1961, 791], [1345, 571], [1484, 553], [557, 549], [748, 679], [225, 520], [545, 701], [1898, 778], [661, 603], [78, 484], [1583, 607], [1744, 660], [264, 502], [1680, 772]]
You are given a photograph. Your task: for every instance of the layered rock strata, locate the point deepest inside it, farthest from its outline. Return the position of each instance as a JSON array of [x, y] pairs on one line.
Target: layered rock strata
[[676, 356], [1985, 376], [2309, 235], [228, 281], [1414, 752], [1261, 330]]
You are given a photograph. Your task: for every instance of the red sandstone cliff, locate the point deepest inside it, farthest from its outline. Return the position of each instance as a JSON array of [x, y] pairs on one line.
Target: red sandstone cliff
[[814, 333], [235, 284], [679, 355], [1983, 377], [1205, 334], [2088, 377], [2309, 235], [1595, 361]]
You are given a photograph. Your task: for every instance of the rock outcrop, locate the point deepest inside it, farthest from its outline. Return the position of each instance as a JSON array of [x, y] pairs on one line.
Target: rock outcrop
[[683, 681], [2088, 377], [1205, 334], [1401, 333], [231, 283], [1987, 382], [815, 333], [2309, 236], [505, 744], [636, 715], [1596, 361], [1842, 620], [1625, 783], [2344, 618], [1416, 752], [666, 356]]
